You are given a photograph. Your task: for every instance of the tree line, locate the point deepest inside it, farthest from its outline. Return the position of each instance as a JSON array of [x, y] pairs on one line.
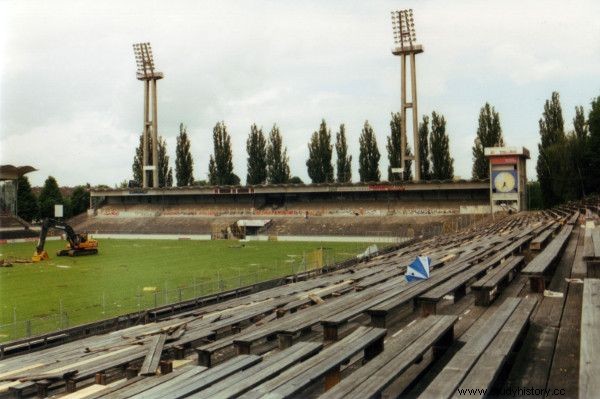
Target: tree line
[[268, 162], [568, 165], [31, 207]]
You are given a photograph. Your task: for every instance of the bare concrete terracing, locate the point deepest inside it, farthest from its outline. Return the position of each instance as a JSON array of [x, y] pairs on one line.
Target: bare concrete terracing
[[13, 227], [392, 226]]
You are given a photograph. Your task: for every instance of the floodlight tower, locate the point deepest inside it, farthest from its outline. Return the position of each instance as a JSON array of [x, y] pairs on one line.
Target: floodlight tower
[[147, 74], [405, 46]]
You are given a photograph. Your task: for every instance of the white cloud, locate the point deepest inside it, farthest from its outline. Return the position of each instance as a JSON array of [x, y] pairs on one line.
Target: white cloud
[[522, 66], [67, 74], [87, 148]]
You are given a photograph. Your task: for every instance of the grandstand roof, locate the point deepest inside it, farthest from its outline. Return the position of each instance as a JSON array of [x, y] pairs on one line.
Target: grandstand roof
[[11, 172], [299, 188]]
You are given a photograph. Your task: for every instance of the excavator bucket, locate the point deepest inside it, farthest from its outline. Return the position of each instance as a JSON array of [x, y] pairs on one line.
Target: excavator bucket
[[37, 257]]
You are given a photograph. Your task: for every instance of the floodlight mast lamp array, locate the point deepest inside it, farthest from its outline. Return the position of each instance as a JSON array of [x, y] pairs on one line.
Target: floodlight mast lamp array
[[146, 73], [405, 39]]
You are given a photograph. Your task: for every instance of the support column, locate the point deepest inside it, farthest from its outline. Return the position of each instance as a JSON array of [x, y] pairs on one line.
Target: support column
[[415, 116], [166, 367], [402, 109], [145, 134], [242, 348], [332, 377], [286, 340], [154, 135]]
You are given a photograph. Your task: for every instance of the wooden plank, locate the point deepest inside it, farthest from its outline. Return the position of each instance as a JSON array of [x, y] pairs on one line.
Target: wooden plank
[[20, 371], [272, 366], [589, 367], [205, 352], [371, 379], [579, 265], [342, 316], [5, 387], [112, 388], [180, 388], [297, 378], [493, 278], [545, 259], [588, 246], [394, 346], [58, 375], [86, 392], [596, 242], [79, 363], [90, 369], [488, 367], [564, 373], [550, 309], [540, 241], [573, 219], [342, 287], [131, 390], [446, 382], [532, 364], [152, 359], [344, 306], [488, 288]]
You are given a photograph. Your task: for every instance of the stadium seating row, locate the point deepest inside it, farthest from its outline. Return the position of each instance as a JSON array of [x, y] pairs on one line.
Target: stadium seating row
[[349, 333]]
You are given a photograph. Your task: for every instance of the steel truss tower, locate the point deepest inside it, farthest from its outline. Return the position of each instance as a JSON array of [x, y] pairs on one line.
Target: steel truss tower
[[405, 46], [147, 74]]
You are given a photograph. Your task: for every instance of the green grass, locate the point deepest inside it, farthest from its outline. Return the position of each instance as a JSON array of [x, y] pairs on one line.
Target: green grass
[[68, 291]]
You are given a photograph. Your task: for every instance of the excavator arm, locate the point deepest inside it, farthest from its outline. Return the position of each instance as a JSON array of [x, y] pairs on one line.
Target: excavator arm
[[78, 244]]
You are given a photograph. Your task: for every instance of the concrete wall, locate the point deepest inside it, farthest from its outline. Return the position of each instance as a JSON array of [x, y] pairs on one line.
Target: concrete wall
[[369, 239], [474, 209], [201, 237], [206, 237]]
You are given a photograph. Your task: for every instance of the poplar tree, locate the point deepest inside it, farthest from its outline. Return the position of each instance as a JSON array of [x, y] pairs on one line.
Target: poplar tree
[[138, 161], [593, 148], [489, 134], [442, 162], [552, 137], [576, 173], [165, 173], [256, 146], [424, 148], [27, 204], [80, 200], [344, 161], [184, 163], [394, 149], [50, 196], [320, 150], [278, 169], [220, 165], [579, 124], [369, 156]]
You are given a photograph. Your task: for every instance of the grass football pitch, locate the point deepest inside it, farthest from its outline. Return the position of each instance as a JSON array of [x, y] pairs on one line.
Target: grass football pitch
[[129, 275]]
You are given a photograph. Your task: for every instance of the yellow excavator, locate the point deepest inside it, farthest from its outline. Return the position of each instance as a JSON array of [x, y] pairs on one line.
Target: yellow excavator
[[78, 244]]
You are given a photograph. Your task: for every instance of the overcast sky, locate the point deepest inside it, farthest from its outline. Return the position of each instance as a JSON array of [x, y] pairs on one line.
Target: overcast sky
[[70, 104]]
